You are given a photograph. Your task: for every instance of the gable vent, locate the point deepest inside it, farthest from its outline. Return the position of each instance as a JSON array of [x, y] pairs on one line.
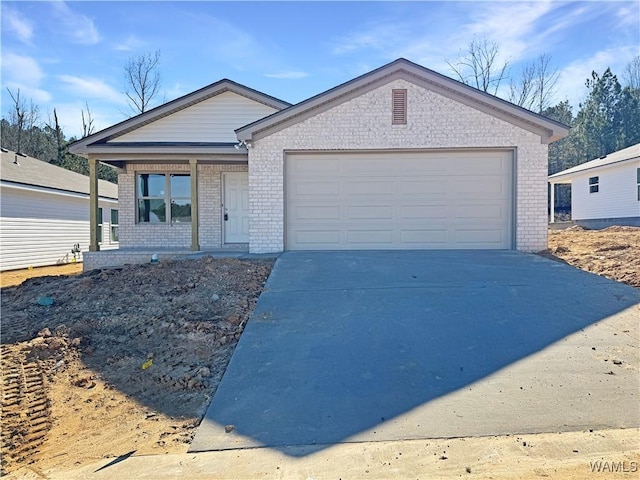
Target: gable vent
[[399, 106]]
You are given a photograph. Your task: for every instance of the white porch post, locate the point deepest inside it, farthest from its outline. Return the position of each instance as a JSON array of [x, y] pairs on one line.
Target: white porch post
[[195, 242], [93, 205], [553, 203]]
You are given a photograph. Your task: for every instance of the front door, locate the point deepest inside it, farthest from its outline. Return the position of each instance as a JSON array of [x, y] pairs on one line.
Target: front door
[[235, 207]]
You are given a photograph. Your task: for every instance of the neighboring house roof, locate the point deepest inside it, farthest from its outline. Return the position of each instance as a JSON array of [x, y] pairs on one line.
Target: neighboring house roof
[[624, 155], [20, 169], [102, 137], [550, 130]]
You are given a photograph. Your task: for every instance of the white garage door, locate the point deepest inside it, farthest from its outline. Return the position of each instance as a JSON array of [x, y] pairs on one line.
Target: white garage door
[[399, 200]]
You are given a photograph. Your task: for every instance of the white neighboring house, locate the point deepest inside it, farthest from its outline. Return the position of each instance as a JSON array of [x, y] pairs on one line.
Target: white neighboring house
[[44, 212], [605, 191]]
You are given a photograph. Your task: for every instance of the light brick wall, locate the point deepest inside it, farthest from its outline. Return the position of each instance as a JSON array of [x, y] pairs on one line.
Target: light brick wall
[[140, 235], [433, 121]]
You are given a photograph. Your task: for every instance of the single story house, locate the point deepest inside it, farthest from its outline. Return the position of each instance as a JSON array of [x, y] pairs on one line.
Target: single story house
[[604, 191], [399, 158], [44, 212]]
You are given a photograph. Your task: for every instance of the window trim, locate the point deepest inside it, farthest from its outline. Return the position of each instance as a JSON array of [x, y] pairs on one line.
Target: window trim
[[167, 197], [113, 226], [399, 106], [594, 184]]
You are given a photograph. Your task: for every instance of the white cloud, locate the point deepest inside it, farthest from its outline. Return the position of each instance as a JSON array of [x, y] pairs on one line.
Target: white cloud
[[287, 75], [22, 27], [21, 68], [87, 87], [572, 78], [129, 44], [79, 27], [24, 73]]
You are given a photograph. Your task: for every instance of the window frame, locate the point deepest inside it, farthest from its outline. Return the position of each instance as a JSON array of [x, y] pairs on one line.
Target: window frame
[[113, 226], [594, 184], [167, 198], [638, 180]]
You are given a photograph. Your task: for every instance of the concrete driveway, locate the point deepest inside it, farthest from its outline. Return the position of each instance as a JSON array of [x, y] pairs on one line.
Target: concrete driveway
[[373, 346]]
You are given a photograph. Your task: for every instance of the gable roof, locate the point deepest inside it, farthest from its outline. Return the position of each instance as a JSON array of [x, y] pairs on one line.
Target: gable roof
[[624, 155], [20, 169], [83, 146], [548, 129]]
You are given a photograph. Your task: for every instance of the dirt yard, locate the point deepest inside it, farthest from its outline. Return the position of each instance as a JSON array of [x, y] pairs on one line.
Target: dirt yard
[[121, 358], [12, 278], [124, 361], [613, 252]]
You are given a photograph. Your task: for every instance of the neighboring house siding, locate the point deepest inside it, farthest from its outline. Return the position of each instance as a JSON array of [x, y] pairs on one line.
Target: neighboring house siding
[[212, 120], [138, 235], [40, 228], [617, 195], [433, 121]]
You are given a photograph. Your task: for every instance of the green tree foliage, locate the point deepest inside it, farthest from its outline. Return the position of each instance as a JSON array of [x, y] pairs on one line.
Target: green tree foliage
[[607, 121]]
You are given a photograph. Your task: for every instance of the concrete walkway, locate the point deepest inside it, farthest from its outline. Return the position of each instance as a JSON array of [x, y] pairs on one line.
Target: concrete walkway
[[387, 346]]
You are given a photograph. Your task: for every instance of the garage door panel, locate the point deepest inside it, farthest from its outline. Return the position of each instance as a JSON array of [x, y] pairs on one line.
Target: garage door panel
[[478, 237], [421, 238], [409, 187], [316, 239], [372, 188], [329, 166], [399, 200], [493, 187], [370, 212], [479, 213], [313, 213], [373, 236], [423, 212]]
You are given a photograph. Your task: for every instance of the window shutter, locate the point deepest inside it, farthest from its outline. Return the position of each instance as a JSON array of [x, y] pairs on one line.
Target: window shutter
[[398, 106]]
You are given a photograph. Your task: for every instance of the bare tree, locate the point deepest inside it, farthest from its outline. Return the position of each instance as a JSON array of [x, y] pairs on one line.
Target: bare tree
[[25, 119], [479, 66], [536, 86], [87, 122], [59, 136], [522, 91], [631, 75], [142, 80], [17, 117]]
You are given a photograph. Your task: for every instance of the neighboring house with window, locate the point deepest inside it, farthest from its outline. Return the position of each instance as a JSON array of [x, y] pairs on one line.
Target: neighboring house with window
[[398, 158], [44, 212], [604, 191]]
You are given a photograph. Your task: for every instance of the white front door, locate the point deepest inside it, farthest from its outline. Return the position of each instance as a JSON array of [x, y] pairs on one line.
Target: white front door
[[235, 207]]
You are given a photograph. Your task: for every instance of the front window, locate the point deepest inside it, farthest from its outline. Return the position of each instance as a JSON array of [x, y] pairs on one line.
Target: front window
[[114, 225], [594, 184], [164, 198]]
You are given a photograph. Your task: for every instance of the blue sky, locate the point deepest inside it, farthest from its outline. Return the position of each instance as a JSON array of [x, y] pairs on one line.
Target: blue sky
[[61, 54]]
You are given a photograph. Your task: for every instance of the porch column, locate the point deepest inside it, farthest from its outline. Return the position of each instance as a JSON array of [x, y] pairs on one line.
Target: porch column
[[553, 203], [195, 243], [93, 205]]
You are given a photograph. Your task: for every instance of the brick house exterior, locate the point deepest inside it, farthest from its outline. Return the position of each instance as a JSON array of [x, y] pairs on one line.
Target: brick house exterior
[[445, 121]]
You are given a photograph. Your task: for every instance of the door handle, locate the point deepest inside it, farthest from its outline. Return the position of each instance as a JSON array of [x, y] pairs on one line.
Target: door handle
[[226, 217]]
